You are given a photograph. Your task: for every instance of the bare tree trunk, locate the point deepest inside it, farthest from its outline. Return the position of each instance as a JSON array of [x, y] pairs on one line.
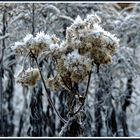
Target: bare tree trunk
[[37, 115], [125, 103], [50, 118], [97, 113], [1, 100], [1, 73], [111, 123], [98, 107], [24, 116], [9, 124], [104, 98], [33, 19]]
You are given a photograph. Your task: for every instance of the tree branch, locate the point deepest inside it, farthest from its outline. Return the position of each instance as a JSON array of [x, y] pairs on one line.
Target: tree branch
[[1, 71]]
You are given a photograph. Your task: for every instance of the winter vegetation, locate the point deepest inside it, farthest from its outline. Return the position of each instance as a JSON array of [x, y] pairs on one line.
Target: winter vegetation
[[69, 69]]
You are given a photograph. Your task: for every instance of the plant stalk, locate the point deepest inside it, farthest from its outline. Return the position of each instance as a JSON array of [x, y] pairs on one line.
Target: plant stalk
[[89, 77], [48, 96]]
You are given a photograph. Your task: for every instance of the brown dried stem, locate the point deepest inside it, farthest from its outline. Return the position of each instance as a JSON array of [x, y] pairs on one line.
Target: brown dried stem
[[48, 96], [89, 77]]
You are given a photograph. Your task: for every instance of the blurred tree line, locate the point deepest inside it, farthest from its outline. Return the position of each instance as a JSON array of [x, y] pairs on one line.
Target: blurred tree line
[[113, 92]]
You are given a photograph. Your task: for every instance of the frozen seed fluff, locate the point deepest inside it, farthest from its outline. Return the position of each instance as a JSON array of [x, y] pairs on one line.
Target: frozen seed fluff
[[92, 40], [28, 77], [36, 45], [53, 83], [73, 67]]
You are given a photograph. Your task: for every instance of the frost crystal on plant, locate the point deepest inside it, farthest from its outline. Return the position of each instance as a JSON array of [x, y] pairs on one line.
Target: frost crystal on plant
[[36, 45], [73, 67], [91, 20], [53, 83], [28, 39], [91, 39]]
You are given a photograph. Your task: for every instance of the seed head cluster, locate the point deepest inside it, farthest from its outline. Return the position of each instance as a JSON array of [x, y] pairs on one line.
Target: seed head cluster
[[71, 68], [91, 39], [36, 45], [86, 42]]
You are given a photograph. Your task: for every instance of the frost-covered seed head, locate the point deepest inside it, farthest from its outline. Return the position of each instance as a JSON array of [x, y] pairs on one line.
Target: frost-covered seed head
[[101, 57], [36, 44], [94, 41], [74, 67], [91, 20], [28, 77], [54, 83]]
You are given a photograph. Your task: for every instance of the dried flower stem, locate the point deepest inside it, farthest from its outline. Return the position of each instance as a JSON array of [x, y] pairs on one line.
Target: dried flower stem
[[48, 96], [89, 77]]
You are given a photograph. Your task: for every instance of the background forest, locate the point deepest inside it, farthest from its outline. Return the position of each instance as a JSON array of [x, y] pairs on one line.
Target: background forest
[[111, 107]]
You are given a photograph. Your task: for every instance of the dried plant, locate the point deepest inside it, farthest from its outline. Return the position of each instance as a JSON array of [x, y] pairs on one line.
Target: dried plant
[[70, 54], [86, 44]]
